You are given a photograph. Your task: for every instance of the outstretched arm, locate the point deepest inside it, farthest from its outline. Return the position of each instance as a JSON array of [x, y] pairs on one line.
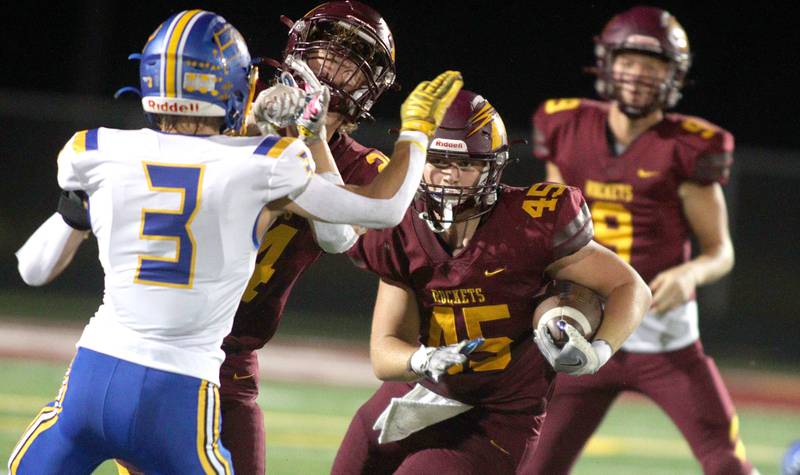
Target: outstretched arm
[[383, 202]]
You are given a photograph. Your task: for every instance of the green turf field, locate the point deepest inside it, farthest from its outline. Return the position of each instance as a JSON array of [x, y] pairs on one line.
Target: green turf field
[[306, 422]]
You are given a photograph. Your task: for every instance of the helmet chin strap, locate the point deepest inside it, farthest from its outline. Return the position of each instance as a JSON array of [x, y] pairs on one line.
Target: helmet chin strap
[[436, 225]]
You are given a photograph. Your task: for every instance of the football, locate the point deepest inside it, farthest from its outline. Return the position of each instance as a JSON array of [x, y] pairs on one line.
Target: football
[[567, 302]]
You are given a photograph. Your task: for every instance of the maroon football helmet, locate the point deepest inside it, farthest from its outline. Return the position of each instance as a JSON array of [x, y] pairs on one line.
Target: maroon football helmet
[[646, 30], [471, 133], [351, 50]]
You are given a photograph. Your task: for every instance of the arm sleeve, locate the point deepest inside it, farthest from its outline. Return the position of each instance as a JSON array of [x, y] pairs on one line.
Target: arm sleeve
[[333, 238], [334, 204], [39, 255]]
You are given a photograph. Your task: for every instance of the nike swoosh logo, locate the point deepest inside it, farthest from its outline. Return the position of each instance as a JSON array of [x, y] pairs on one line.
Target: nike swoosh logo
[[494, 272], [236, 377], [642, 173]]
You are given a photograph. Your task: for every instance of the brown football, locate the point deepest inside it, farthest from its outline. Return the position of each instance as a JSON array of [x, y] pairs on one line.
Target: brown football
[[565, 301]]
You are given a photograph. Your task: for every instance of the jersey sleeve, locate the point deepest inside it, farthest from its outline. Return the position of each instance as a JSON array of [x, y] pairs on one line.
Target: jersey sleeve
[[365, 168], [557, 220], [76, 159], [287, 165], [572, 226], [545, 123], [379, 251], [711, 160]]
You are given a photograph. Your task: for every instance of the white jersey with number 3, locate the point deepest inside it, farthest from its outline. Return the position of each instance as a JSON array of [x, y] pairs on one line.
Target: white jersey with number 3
[[175, 219]]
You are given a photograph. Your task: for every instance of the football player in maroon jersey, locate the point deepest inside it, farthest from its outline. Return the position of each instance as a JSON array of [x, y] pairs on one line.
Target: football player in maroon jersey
[[651, 179], [350, 48], [465, 266]]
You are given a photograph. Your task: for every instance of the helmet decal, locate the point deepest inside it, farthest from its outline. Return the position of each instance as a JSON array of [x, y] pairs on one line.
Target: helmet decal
[[196, 64]]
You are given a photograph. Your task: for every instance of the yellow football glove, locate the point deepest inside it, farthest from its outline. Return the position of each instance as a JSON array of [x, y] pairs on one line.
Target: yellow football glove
[[425, 107]]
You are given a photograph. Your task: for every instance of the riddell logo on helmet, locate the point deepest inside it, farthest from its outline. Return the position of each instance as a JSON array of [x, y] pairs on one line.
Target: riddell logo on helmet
[[447, 144], [642, 41], [173, 107]]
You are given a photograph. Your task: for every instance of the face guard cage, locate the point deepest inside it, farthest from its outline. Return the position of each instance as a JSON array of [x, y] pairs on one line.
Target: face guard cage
[[370, 71], [442, 205]]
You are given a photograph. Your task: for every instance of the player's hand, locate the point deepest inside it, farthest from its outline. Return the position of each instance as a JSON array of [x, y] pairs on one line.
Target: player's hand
[[311, 122], [425, 107], [278, 107], [285, 104], [672, 287], [577, 357], [432, 363]]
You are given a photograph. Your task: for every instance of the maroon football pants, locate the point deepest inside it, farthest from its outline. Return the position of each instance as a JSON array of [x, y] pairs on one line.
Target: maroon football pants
[[242, 419], [475, 442], [684, 383]]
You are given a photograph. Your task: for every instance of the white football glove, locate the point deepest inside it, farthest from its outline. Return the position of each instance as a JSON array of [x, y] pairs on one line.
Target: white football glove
[[432, 363], [311, 122], [285, 104], [577, 357], [278, 107]]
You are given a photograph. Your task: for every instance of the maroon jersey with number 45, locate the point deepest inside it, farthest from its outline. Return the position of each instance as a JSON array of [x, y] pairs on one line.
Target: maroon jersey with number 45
[[287, 250], [488, 290], [633, 195]]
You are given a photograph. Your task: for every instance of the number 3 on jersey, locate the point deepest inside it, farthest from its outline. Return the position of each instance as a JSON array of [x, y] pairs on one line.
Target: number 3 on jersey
[[171, 225]]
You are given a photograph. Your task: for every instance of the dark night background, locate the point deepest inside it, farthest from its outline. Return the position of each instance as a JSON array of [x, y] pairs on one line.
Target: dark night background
[[62, 63]]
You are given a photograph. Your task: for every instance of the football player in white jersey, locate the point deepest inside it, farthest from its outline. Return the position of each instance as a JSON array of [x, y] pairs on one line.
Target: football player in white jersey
[[178, 213]]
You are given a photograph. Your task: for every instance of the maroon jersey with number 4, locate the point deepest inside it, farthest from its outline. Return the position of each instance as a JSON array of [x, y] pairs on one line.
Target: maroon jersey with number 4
[[287, 250], [633, 196], [487, 290]]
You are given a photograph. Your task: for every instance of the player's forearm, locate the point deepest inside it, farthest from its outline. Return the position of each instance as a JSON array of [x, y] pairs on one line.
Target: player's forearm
[[625, 307], [48, 251], [380, 205], [712, 263], [323, 158], [390, 357], [404, 171]]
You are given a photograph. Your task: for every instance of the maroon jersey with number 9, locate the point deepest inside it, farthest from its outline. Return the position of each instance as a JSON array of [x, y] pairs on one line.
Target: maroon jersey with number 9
[[487, 290], [633, 196]]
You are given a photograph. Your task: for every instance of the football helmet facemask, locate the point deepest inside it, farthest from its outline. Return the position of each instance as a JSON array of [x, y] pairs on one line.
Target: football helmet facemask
[[471, 134], [351, 50], [644, 30]]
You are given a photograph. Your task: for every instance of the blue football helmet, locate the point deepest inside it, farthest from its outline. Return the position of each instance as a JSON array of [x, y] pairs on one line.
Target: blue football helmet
[[197, 64]]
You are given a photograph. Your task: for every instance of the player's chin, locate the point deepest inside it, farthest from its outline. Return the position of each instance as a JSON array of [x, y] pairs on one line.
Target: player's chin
[[637, 99]]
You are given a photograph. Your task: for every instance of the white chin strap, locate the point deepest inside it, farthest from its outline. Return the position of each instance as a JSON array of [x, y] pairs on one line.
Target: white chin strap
[[444, 224]]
